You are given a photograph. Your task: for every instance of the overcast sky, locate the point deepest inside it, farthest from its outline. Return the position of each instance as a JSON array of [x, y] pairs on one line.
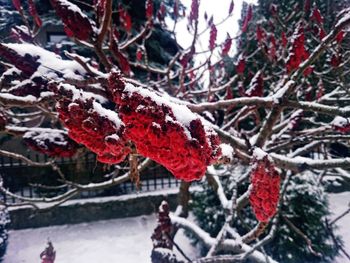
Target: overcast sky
[[219, 10]]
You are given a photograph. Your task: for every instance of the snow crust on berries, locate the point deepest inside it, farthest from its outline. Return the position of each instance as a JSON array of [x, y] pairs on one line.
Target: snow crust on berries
[[166, 132], [42, 134], [83, 95], [92, 125], [181, 112], [52, 142], [226, 151], [340, 121], [50, 63], [72, 7], [259, 154]]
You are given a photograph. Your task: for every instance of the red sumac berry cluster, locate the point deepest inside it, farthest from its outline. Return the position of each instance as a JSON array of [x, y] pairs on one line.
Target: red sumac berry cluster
[[29, 87], [168, 133], [194, 11], [265, 186], [341, 124], [90, 124], [298, 53], [212, 38], [54, 143], [76, 24], [256, 87]]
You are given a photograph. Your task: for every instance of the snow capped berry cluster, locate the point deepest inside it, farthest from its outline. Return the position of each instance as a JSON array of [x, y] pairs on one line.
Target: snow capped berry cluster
[[29, 87], [341, 124], [166, 132], [89, 123], [27, 63], [265, 183], [76, 24], [54, 143]]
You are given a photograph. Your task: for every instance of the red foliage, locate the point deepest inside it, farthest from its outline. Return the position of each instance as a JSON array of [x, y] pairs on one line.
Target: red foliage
[[232, 6], [194, 11], [256, 86], [17, 4], [125, 19], [307, 6], [27, 64], [149, 9], [176, 8], [139, 54], [161, 12], [54, 143], [100, 6], [122, 61], [229, 93], [298, 52], [247, 19], [76, 23], [187, 57], [272, 48], [89, 124], [264, 194], [33, 12], [340, 36], [212, 38], [336, 60], [322, 33], [227, 46], [316, 15], [240, 65], [260, 34], [308, 71], [151, 124]]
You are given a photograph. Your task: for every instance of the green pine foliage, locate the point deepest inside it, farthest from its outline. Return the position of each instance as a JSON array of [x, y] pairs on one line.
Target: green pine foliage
[[305, 205]]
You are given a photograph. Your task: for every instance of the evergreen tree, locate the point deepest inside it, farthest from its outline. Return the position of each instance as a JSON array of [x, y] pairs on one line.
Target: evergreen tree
[[305, 206]]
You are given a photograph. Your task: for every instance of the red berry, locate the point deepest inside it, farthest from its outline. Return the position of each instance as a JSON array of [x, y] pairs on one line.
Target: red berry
[[265, 183]]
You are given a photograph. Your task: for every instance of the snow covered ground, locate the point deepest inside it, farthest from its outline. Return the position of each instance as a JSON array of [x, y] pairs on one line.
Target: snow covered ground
[[339, 204], [120, 240]]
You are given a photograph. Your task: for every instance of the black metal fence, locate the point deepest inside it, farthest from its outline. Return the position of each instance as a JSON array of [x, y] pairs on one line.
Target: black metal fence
[[27, 181]]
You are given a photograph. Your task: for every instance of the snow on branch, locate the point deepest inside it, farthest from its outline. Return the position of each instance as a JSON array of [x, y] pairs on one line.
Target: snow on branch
[[227, 245]]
